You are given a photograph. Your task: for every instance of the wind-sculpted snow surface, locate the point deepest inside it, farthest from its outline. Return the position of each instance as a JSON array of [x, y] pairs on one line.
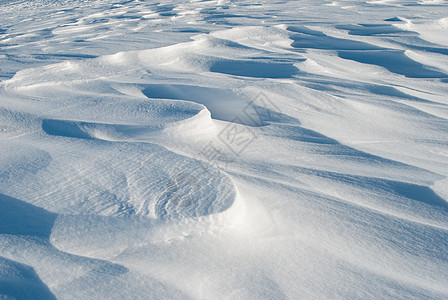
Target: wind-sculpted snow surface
[[223, 149]]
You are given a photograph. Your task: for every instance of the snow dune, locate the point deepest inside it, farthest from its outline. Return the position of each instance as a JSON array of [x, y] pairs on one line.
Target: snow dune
[[223, 149]]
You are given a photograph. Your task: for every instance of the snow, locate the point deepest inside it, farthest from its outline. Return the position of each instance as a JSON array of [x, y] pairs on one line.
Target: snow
[[223, 149]]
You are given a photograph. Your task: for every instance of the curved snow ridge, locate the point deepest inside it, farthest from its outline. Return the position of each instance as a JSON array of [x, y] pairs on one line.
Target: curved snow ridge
[[87, 235], [361, 44], [88, 85], [433, 32], [219, 52], [117, 179], [190, 128]]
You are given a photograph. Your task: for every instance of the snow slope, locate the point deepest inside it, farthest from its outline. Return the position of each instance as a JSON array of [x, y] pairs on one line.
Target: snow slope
[[223, 149]]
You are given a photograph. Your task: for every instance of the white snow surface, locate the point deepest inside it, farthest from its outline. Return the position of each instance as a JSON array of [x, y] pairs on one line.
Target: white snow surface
[[231, 149]]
